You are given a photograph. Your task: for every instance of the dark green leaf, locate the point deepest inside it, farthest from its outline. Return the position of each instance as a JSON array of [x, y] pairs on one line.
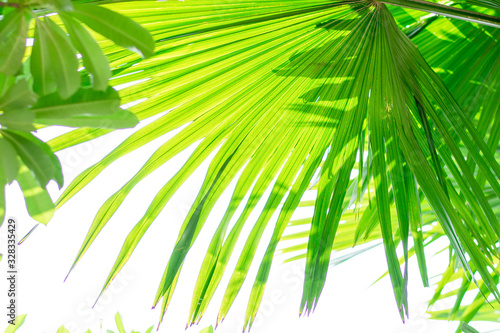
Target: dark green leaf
[[53, 61], [40, 62], [19, 120], [36, 155], [9, 164], [85, 102], [13, 33], [63, 59], [93, 59], [120, 29], [5, 83], [119, 119], [9, 167], [466, 328], [19, 96], [86, 108]]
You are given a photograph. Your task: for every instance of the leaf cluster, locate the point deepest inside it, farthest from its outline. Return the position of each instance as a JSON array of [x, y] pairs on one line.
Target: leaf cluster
[[61, 80]]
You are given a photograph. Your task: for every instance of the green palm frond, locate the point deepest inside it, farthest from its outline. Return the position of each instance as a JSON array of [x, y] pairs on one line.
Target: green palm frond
[[431, 232], [450, 55], [456, 288], [280, 91], [451, 10], [492, 4], [475, 85]]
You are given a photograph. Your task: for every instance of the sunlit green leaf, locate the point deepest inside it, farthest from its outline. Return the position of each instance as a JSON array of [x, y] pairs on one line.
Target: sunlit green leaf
[[62, 58], [279, 92], [36, 155], [120, 29], [40, 62], [13, 33], [62, 329], [119, 323], [18, 322], [38, 202], [208, 329], [86, 107], [19, 120], [18, 96], [9, 165], [93, 59]]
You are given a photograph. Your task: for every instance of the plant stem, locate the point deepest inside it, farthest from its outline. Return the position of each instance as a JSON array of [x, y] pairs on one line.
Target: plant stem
[[461, 14], [9, 4]]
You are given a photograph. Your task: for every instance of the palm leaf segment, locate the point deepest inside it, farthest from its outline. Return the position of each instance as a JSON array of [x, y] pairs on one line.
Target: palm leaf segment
[[470, 73], [280, 91]]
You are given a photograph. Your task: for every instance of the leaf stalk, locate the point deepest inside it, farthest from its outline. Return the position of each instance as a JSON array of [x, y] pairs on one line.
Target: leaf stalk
[[448, 11]]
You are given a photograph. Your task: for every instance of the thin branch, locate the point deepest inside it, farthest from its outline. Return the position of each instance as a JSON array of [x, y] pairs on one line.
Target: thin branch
[[9, 4], [461, 14]]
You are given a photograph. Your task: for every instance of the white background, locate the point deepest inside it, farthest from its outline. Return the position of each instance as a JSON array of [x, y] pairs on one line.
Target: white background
[[348, 303]]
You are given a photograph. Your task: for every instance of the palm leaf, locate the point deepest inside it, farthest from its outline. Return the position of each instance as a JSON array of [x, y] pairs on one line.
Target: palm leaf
[[281, 91], [485, 111]]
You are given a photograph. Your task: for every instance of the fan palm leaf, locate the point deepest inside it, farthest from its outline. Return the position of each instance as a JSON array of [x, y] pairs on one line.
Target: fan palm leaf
[[475, 86], [281, 91]]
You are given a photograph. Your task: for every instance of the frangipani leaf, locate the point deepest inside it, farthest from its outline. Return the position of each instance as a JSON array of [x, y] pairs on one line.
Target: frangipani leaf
[[36, 155], [38, 202], [18, 120], [86, 108], [120, 29], [54, 60], [9, 165], [18, 96], [13, 33], [93, 59]]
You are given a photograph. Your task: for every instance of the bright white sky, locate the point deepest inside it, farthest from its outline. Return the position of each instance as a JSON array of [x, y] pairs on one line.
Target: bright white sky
[[348, 303]]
